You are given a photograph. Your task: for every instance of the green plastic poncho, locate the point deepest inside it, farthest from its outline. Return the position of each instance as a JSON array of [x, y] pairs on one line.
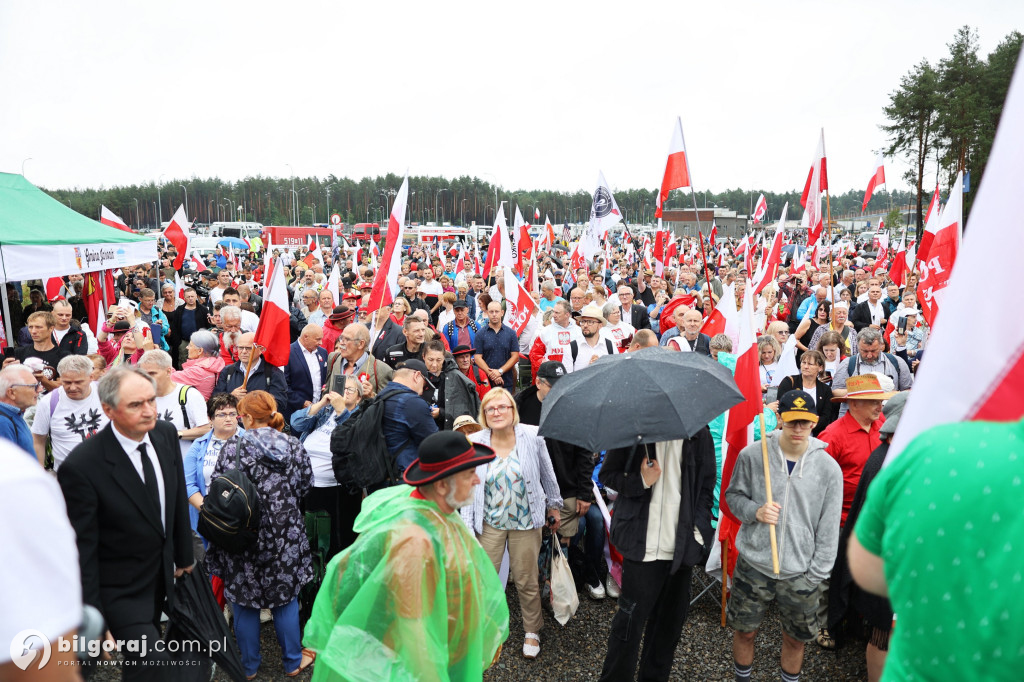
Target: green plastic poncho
[[414, 598], [717, 427]]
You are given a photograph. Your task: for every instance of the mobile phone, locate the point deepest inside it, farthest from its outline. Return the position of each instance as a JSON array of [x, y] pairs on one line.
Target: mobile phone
[[901, 328]]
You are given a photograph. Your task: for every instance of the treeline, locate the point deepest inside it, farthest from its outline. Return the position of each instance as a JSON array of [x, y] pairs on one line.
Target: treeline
[[461, 200], [944, 116]]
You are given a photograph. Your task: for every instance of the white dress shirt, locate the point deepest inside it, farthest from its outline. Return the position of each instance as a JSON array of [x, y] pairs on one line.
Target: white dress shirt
[[313, 363], [131, 448]]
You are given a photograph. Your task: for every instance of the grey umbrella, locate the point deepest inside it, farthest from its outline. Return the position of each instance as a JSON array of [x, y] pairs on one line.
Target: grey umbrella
[[649, 396]]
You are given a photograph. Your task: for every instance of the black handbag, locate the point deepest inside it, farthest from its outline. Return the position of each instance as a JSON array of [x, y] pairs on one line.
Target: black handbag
[[230, 516]]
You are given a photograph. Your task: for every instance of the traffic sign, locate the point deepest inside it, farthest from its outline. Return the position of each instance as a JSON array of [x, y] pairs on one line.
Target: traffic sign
[[336, 219]]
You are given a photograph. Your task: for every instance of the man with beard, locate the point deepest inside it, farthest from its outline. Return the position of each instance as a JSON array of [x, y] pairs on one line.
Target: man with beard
[[464, 359], [261, 376], [594, 344], [231, 330], [442, 609]]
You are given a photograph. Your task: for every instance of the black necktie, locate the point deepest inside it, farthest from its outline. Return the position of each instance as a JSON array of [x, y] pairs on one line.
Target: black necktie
[[149, 478]]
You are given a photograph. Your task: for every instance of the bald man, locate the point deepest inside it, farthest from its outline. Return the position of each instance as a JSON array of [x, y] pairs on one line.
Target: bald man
[[690, 340], [306, 371]]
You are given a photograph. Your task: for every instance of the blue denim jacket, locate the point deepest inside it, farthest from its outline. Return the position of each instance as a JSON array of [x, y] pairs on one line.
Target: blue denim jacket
[[195, 482]]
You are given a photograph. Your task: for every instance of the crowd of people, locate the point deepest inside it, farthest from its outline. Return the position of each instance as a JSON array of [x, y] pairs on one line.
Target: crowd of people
[[140, 416]]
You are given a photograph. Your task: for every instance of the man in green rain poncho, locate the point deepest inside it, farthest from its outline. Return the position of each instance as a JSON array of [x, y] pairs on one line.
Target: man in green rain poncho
[[415, 598]]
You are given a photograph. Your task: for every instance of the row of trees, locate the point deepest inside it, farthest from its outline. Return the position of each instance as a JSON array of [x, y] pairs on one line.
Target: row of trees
[[462, 200], [947, 114]]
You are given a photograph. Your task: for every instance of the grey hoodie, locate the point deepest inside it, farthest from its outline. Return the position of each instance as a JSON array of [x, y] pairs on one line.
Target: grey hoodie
[[811, 499]]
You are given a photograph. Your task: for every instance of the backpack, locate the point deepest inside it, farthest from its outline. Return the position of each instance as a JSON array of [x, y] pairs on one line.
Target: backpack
[[230, 515], [574, 349], [182, 395], [359, 454], [851, 365]]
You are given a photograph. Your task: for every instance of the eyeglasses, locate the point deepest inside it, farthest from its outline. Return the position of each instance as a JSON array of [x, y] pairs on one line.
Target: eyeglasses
[[35, 385], [225, 415], [498, 409], [351, 389], [799, 424], [241, 348]]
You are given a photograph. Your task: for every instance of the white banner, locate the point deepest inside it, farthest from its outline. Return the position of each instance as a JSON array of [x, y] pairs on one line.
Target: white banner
[[54, 260]]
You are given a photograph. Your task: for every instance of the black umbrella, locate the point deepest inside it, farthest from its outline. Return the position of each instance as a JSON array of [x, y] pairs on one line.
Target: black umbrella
[[649, 396], [196, 616]]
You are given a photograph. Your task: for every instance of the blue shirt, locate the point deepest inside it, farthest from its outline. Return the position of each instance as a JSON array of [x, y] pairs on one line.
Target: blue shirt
[[14, 429], [496, 347], [406, 423]]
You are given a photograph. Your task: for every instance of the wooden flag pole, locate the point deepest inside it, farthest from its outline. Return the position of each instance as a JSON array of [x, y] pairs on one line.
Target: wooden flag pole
[[707, 277], [248, 365], [831, 275], [725, 575], [768, 493]]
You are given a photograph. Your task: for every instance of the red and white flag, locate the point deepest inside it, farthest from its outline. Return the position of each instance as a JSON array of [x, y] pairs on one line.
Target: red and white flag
[[724, 319], [760, 208], [817, 183], [771, 260], [334, 284], [111, 219], [898, 268], [197, 263], [799, 260], [460, 264], [518, 302], [677, 168], [877, 178], [385, 278], [177, 233], [882, 258], [523, 246], [739, 427], [53, 287], [536, 213], [272, 332], [988, 382], [179, 286], [939, 251]]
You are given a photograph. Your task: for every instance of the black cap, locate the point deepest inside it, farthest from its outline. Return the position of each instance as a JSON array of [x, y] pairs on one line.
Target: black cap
[[445, 453], [417, 365], [122, 326], [551, 371], [460, 303], [797, 405], [462, 349]]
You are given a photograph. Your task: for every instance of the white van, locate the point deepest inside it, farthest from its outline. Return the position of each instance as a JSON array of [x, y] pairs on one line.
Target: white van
[[237, 230]]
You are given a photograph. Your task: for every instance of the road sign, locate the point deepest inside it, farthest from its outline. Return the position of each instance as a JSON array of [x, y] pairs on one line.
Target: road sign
[[335, 219]]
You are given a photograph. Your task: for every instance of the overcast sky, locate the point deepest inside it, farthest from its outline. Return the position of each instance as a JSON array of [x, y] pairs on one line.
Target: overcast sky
[[531, 95]]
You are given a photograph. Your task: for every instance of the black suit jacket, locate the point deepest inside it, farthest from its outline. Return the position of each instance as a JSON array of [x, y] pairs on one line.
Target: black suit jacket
[[638, 317], [127, 559], [860, 315], [300, 383]]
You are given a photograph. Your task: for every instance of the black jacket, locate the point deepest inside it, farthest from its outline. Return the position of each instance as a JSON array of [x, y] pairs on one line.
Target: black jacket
[[638, 317], [573, 465], [861, 316], [74, 342], [386, 338], [621, 472], [174, 339], [823, 405], [126, 557], [264, 378]]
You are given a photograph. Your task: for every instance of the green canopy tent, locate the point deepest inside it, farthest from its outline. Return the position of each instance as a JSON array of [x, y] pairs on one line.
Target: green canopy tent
[[41, 237]]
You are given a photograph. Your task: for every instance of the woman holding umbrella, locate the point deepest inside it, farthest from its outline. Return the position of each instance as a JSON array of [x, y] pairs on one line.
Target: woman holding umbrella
[[509, 510]]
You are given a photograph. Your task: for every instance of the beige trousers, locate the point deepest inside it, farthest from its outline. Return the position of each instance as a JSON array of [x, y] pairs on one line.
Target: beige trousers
[[523, 550]]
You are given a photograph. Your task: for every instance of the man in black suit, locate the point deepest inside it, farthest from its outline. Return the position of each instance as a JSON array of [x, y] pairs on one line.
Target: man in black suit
[[125, 494], [306, 371], [262, 377], [635, 314]]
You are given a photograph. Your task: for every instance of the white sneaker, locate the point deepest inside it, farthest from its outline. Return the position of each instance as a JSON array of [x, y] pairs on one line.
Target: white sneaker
[[266, 616], [596, 592], [611, 588]]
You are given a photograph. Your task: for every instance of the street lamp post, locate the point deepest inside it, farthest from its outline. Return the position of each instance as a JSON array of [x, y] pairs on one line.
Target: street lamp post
[[232, 204], [154, 209], [329, 201], [294, 200], [23, 162], [159, 205], [437, 215], [463, 212], [209, 211], [138, 220], [186, 200]]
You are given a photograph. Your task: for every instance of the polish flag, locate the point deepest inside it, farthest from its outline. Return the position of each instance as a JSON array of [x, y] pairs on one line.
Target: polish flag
[[460, 264], [179, 286], [523, 246], [518, 302], [385, 278], [724, 319], [741, 248], [940, 248], [53, 287], [898, 268], [987, 383], [817, 182], [760, 208], [111, 219], [272, 331], [314, 252], [931, 223], [677, 169], [550, 232], [882, 258], [197, 263], [177, 233], [739, 427], [713, 236], [493, 248], [799, 260], [659, 253], [877, 178], [536, 213], [646, 253], [440, 257], [770, 262], [334, 283]]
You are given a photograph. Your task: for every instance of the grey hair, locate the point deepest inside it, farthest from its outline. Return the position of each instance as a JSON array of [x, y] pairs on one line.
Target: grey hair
[[547, 285], [75, 364], [156, 358], [206, 341], [14, 374], [109, 388], [352, 379], [165, 285], [564, 305], [234, 312], [869, 336], [721, 342], [608, 309]]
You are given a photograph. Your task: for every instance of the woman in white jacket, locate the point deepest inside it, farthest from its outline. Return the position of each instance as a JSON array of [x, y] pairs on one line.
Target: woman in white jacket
[[518, 496]]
